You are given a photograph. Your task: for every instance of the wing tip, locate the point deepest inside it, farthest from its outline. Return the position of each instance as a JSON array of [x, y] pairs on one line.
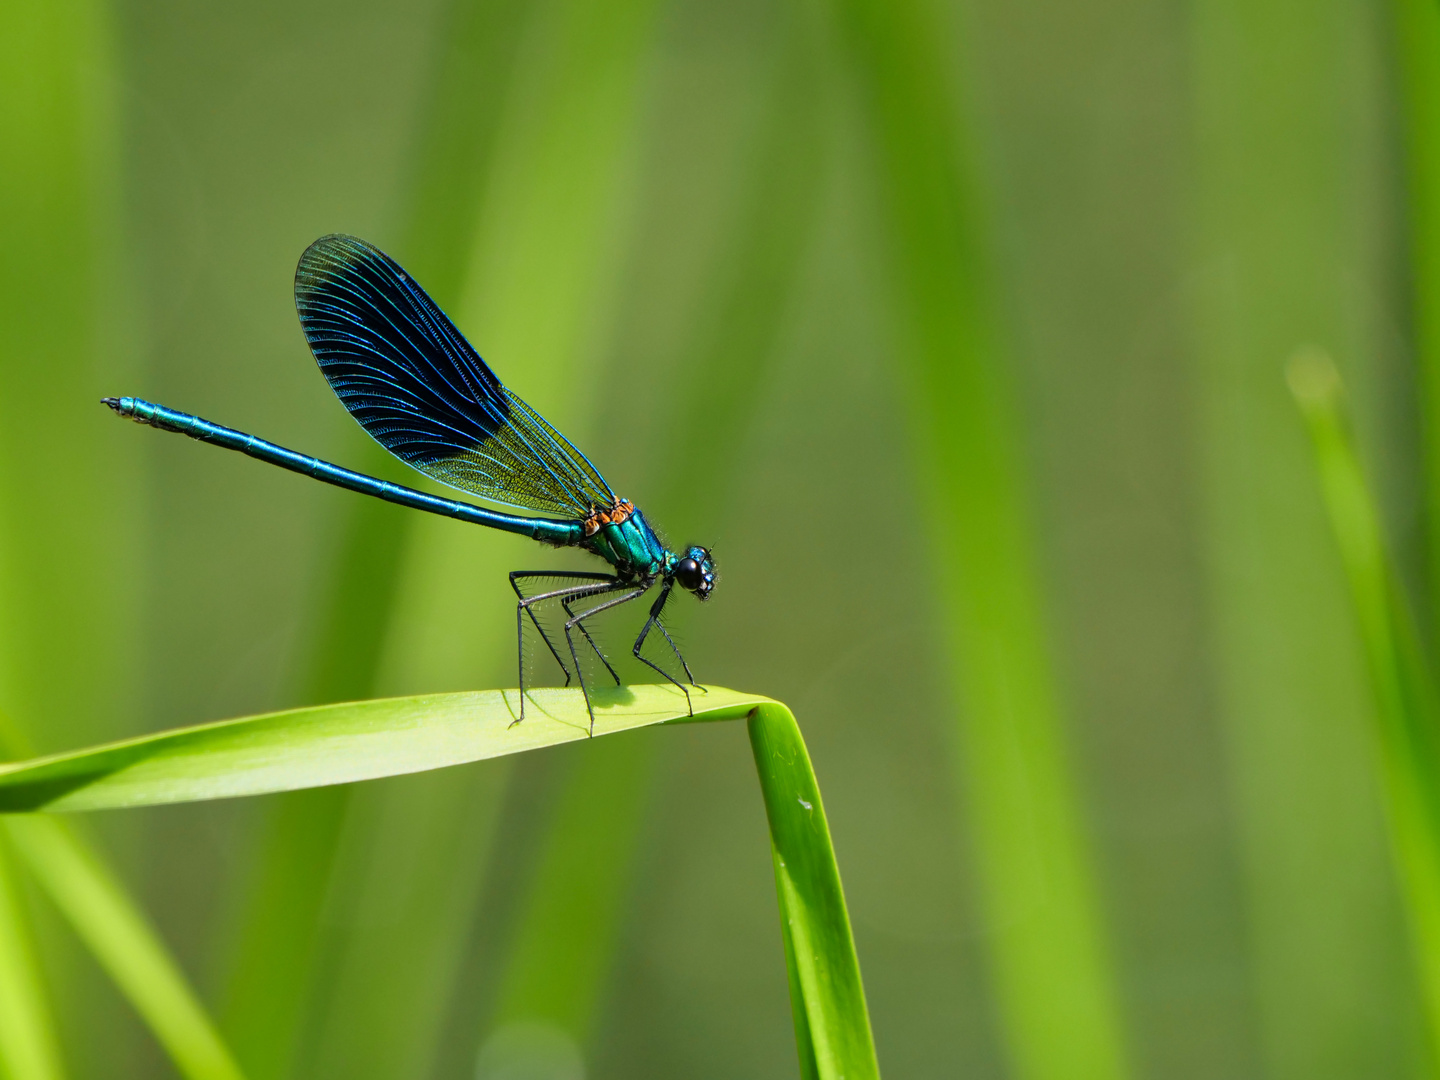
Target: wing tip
[[319, 262]]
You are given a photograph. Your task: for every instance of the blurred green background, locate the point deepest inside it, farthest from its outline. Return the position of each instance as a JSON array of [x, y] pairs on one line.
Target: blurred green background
[[956, 329]]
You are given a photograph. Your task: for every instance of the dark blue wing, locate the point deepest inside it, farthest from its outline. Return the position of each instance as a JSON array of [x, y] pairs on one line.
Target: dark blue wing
[[414, 383]]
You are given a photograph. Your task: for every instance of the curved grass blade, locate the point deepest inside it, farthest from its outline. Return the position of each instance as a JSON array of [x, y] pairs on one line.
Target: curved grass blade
[[126, 946], [832, 1024], [367, 740], [1406, 705], [337, 744]]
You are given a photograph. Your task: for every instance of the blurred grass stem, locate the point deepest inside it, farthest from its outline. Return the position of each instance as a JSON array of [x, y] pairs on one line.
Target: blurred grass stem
[[1050, 951], [1408, 719]]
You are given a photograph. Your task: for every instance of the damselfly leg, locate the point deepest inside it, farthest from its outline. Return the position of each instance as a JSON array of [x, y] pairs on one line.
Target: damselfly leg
[[589, 585], [576, 620], [654, 620], [565, 603], [593, 587]]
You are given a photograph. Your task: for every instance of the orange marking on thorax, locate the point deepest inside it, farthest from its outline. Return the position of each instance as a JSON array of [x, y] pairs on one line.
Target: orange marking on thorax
[[617, 514]]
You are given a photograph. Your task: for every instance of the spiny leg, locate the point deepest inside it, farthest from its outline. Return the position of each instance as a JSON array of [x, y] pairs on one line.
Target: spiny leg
[[526, 605], [633, 594], [526, 602], [676, 650], [654, 620], [565, 603], [521, 610], [595, 583]]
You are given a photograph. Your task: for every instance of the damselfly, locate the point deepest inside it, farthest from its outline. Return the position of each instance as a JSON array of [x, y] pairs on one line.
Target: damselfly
[[422, 392]]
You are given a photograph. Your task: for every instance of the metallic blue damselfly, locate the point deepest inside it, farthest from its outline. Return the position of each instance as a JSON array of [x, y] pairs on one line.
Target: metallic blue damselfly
[[403, 370]]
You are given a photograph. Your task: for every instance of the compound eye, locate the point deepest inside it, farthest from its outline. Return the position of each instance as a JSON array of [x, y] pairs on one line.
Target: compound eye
[[687, 572]]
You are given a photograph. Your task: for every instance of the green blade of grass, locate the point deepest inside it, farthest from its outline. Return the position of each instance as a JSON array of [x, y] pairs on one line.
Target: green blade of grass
[[28, 1048], [557, 202], [124, 943], [475, 55], [1056, 982], [1417, 44], [337, 744], [832, 1025], [273, 950], [1406, 709]]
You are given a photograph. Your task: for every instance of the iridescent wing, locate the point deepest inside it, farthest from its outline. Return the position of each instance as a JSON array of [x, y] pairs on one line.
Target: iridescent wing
[[414, 383]]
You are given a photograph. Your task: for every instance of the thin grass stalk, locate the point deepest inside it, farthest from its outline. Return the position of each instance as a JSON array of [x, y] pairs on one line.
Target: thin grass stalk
[[476, 53], [1288, 251], [67, 544], [411, 866], [1406, 707], [1054, 976], [1417, 43], [570, 917]]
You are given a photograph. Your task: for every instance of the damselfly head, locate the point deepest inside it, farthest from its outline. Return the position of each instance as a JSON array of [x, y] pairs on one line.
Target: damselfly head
[[696, 572]]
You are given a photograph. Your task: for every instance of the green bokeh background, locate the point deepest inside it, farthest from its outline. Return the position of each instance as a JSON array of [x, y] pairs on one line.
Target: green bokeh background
[[956, 329]]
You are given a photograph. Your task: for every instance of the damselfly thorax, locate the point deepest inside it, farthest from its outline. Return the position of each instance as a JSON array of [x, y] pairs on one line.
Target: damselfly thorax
[[623, 538]]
